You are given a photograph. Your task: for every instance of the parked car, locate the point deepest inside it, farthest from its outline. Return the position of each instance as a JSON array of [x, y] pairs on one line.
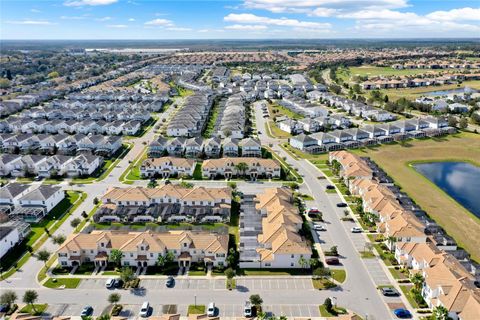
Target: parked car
[[110, 284], [170, 282], [144, 310], [341, 205], [86, 311], [332, 261], [118, 283], [3, 307], [247, 309], [319, 227], [313, 210], [389, 292], [211, 310], [402, 313], [356, 230], [330, 187]]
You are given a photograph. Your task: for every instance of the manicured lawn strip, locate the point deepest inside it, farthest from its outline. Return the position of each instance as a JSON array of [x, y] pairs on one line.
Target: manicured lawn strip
[[133, 171], [325, 313], [406, 293], [271, 272], [15, 259], [367, 255], [67, 283], [36, 309], [339, 275], [277, 132], [397, 274], [192, 309], [389, 71], [282, 111], [211, 120], [285, 165], [84, 221], [458, 222], [197, 173], [110, 273], [412, 93], [323, 284]]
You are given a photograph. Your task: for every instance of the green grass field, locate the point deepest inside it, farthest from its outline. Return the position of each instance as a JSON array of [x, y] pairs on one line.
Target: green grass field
[[388, 71], [70, 283], [395, 159]]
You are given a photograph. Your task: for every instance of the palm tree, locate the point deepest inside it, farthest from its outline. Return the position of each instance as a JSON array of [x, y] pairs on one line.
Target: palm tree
[[8, 297], [161, 261], [417, 280], [115, 257], [30, 297], [114, 298], [440, 313], [43, 255], [256, 300], [242, 167], [302, 262]]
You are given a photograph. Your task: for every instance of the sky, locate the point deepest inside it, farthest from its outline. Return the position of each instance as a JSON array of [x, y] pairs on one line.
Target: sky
[[243, 19]]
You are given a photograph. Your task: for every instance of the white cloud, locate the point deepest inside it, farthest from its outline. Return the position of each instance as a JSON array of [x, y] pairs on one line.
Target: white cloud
[[80, 3], [461, 14], [247, 18], [104, 19], [31, 22], [117, 26], [323, 12], [35, 10], [246, 27], [179, 29], [131, 19], [160, 23], [308, 6]]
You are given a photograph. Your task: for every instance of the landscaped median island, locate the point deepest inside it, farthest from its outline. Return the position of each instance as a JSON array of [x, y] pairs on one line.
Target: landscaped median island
[[40, 232]]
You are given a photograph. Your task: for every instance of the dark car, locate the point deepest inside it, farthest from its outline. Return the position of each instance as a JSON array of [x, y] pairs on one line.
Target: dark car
[[402, 313], [3, 307], [87, 311], [332, 261], [389, 292], [341, 205], [118, 283], [170, 282], [330, 187]]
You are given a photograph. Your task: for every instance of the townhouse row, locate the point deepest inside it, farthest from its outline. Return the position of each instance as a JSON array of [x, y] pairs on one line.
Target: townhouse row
[[313, 125], [231, 118], [449, 275], [199, 147], [11, 234], [49, 166], [356, 108], [417, 82], [192, 117], [167, 203], [145, 102], [253, 168], [270, 232], [371, 135], [28, 202], [63, 144], [75, 112], [143, 249], [28, 125]]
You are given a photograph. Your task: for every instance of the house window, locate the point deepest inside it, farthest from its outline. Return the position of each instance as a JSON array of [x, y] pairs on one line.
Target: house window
[[63, 263], [292, 256], [268, 264], [292, 264], [131, 255]]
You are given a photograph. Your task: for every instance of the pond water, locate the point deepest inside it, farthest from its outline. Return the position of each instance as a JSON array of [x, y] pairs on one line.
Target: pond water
[[450, 91], [460, 180]]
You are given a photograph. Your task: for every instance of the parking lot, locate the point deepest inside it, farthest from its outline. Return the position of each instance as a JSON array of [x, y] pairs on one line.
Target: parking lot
[[225, 310], [376, 271], [243, 284]]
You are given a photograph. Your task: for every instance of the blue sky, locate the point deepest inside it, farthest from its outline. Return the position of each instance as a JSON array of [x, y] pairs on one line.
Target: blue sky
[[231, 19]]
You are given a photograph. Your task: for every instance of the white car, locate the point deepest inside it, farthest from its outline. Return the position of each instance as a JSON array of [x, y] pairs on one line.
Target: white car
[[211, 310], [145, 309], [356, 230], [319, 227], [110, 283]]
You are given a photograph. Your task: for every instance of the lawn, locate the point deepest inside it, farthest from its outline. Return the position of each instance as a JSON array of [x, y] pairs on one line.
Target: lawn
[[387, 71], [133, 171], [413, 93], [323, 284], [397, 274], [278, 110], [396, 160], [193, 309], [406, 293], [277, 132], [68, 283], [367, 255], [336, 311], [35, 309], [272, 272], [339, 275]]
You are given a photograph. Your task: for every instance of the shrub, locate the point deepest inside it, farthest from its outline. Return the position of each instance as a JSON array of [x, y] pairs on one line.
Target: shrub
[[116, 310]]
